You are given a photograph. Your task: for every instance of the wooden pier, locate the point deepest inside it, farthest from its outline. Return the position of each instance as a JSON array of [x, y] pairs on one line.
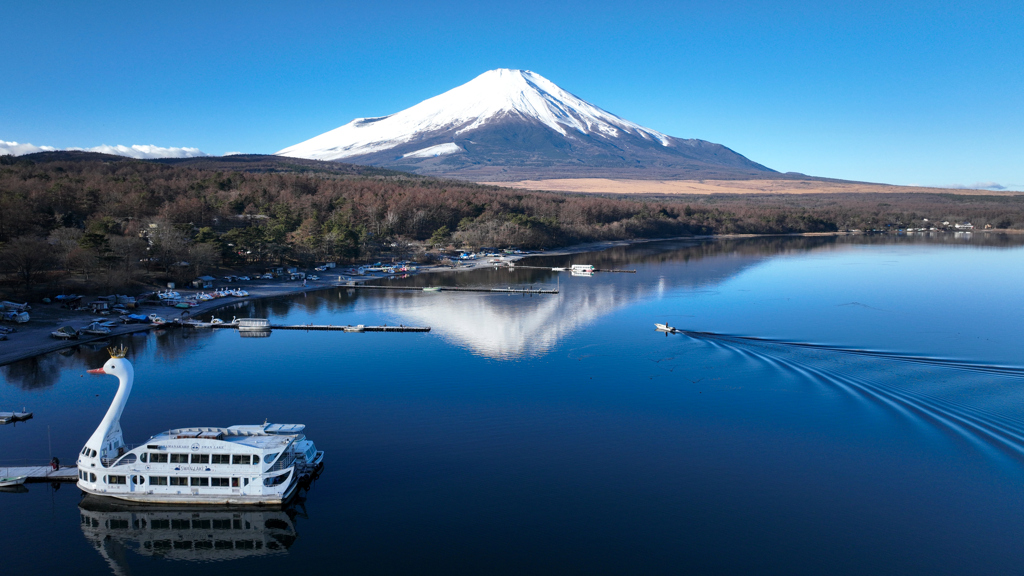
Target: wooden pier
[[568, 270], [325, 327], [332, 327], [41, 473], [508, 290]]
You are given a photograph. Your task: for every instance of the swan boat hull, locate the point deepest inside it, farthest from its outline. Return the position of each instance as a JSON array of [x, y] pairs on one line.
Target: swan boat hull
[[260, 465]]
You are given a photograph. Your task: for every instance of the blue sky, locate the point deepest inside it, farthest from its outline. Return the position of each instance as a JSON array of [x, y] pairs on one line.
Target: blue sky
[[926, 93]]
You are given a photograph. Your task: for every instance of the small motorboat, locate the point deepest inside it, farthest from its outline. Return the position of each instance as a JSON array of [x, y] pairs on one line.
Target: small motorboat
[[357, 328], [156, 320], [65, 333], [432, 289], [10, 481], [239, 293], [558, 269], [96, 329], [665, 328]]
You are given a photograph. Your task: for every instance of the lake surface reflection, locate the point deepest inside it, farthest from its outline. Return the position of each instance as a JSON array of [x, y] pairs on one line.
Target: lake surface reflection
[[840, 405]]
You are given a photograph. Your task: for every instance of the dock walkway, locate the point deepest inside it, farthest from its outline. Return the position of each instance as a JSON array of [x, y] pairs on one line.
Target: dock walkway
[[41, 473], [453, 289], [8, 417], [327, 327]]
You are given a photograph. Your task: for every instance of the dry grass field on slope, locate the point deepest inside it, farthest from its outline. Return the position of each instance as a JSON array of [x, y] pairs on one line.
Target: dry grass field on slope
[[675, 187]]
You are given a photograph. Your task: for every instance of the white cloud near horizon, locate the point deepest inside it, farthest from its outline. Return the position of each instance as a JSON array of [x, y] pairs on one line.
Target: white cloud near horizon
[[994, 186], [138, 151]]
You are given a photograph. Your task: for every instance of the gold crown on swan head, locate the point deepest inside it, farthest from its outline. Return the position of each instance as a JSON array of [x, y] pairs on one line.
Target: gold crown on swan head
[[118, 352]]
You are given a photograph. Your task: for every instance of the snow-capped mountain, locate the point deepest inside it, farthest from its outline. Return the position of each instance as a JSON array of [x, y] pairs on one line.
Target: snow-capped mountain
[[515, 124]]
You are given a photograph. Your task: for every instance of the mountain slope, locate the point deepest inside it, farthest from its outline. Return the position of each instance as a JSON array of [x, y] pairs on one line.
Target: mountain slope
[[515, 124]]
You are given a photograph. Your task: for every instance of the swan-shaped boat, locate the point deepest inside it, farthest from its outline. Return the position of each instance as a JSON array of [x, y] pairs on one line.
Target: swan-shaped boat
[[259, 464]]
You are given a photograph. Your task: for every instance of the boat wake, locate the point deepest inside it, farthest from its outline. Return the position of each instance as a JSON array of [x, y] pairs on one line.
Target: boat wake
[[977, 407]]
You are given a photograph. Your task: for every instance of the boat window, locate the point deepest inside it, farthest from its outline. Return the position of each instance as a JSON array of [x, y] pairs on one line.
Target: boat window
[[160, 524], [220, 459], [255, 459], [157, 458], [144, 457], [115, 479], [180, 524], [179, 458], [92, 477], [199, 481], [245, 481], [200, 458], [138, 479], [234, 482], [240, 459], [176, 481], [269, 458], [219, 482], [158, 480], [201, 523]]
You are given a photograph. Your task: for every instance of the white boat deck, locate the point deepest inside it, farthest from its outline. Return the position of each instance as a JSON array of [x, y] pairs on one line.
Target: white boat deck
[[252, 436]]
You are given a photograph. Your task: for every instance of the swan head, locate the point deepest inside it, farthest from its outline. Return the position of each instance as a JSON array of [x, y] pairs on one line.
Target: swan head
[[116, 366]]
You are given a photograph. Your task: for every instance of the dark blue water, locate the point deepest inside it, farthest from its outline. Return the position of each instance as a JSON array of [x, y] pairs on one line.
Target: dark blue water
[[841, 406]]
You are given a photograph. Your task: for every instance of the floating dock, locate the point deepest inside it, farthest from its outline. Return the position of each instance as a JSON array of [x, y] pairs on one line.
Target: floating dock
[[566, 269], [8, 417], [41, 473], [509, 290], [353, 328], [326, 327]]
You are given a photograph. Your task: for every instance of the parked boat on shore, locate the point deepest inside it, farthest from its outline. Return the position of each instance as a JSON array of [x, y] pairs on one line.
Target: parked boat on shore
[[65, 333], [96, 329], [260, 464]]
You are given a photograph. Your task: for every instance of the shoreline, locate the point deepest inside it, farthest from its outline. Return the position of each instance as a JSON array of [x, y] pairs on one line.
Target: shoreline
[[29, 342]]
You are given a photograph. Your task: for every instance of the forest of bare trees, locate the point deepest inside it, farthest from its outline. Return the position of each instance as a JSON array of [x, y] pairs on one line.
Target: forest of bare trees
[[111, 221]]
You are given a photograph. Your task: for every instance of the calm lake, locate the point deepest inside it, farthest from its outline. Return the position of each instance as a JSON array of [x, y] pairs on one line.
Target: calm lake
[[838, 405]]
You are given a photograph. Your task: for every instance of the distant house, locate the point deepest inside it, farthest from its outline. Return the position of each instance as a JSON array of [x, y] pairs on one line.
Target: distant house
[[203, 282], [98, 306]]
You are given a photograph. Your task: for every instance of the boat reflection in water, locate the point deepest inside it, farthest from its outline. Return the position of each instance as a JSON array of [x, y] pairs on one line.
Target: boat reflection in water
[[191, 535]]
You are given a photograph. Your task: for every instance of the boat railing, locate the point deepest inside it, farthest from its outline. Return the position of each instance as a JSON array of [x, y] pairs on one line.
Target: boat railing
[[284, 462], [108, 462]]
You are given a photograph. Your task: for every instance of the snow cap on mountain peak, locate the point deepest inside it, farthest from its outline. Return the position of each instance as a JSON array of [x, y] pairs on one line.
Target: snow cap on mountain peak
[[493, 95]]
